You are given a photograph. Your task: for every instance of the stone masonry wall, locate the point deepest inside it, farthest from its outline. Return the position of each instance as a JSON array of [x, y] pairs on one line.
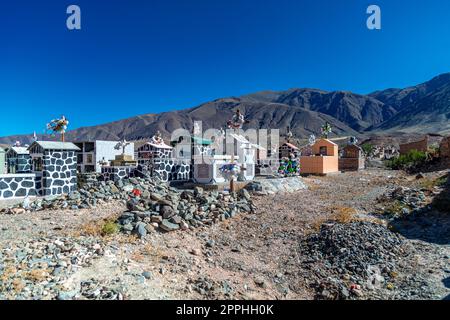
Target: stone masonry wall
[[172, 169], [118, 173], [60, 172], [17, 186]]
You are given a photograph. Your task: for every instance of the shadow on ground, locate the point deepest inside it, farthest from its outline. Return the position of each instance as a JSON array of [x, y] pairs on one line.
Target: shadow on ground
[[446, 282], [428, 225]]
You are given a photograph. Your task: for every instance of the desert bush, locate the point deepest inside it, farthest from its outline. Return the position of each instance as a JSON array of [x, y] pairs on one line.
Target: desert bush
[[408, 161], [367, 148], [103, 228], [429, 184], [110, 227]]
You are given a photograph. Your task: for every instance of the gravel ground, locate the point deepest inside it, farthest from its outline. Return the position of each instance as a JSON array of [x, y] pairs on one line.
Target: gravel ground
[[251, 256]]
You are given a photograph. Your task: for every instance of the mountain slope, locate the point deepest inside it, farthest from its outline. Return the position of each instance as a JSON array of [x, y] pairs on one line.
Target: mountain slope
[[357, 111], [213, 115], [423, 108], [430, 113]]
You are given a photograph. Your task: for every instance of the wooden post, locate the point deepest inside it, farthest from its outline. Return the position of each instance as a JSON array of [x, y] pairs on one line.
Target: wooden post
[[232, 184], [62, 137]]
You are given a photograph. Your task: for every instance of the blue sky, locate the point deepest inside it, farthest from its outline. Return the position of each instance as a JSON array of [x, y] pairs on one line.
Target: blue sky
[[134, 57]]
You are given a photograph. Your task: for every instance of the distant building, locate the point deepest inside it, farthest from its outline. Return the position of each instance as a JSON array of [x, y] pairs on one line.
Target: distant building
[[18, 160], [421, 145], [94, 154], [444, 148], [429, 143]]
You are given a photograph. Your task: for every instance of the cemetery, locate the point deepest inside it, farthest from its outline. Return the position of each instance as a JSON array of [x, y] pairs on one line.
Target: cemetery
[[227, 161]]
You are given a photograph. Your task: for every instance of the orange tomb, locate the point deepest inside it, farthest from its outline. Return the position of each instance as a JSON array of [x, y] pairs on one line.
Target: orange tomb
[[324, 158]]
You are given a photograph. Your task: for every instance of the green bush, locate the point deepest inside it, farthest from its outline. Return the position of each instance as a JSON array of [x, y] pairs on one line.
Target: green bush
[[410, 160], [367, 148], [109, 228]]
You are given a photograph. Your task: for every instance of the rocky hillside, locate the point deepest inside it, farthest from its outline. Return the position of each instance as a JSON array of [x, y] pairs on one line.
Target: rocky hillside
[[424, 108]]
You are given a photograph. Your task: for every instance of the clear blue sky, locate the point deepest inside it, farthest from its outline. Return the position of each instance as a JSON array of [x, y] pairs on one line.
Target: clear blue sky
[[134, 57]]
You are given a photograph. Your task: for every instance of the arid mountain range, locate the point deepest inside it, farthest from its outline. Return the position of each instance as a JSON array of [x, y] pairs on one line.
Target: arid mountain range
[[420, 109]]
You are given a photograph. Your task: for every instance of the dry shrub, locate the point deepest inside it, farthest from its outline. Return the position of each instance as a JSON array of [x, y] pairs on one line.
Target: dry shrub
[[37, 275], [429, 184], [102, 228], [137, 256], [18, 285], [340, 215], [344, 215], [8, 273]]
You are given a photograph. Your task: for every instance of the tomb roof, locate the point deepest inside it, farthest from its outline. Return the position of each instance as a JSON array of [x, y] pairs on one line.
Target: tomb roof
[[323, 140], [290, 145], [201, 141], [56, 145], [20, 150], [160, 145], [242, 139]]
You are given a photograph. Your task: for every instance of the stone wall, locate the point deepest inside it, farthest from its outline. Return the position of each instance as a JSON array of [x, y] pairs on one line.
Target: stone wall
[[172, 170], [118, 173], [444, 148], [60, 172], [17, 186], [418, 145], [351, 164]]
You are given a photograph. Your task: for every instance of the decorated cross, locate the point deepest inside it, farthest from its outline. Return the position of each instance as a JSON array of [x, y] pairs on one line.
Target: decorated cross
[[311, 139], [157, 138], [122, 145], [353, 141], [325, 130], [58, 126]]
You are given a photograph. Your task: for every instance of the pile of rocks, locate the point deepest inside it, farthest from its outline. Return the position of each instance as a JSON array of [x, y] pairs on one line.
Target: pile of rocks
[[352, 261], [412, 197], [171, 209], [38, 269], [411, 201], [91, 192]]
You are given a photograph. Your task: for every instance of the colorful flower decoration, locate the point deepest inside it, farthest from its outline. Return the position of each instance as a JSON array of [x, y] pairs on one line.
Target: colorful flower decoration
[[289, 167], [58, 126], [136, 192], [229, 170]]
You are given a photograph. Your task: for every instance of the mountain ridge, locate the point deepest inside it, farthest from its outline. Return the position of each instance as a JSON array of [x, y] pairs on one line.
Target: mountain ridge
[[422, 108]]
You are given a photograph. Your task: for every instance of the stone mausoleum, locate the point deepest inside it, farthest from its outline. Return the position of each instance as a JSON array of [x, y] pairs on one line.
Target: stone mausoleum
[[18, 160], [55, 166], [52, 171]]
